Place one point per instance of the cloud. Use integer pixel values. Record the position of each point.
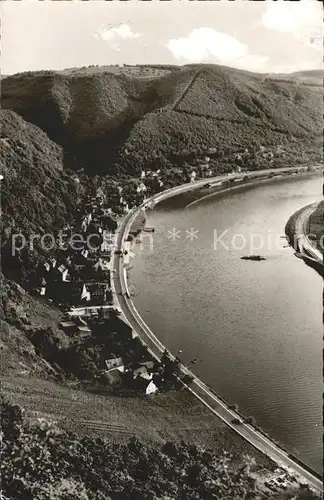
(113, 32)
(297, 18)
(202, 43)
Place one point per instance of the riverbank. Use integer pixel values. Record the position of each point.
(145, 333)
(237, 187)
(316, 226)
(303, 231)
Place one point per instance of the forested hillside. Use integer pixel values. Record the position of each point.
(110, 123)
(37, 197)
(41, 461)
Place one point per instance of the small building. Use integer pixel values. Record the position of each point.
(63, 270)
(142, 372)
(41, 288)
(53, 262)
(151, 388)
(69, 327)
(83, 331)
(47, 266)
(101, 265)
(113, 377)
(98, 293)
(150, 365)
(41, 291)
(114, 363)
(85, 294)
(85, 253)
(141, 188)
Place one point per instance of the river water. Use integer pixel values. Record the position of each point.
(254, 327)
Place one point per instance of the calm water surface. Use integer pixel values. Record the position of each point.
(255, 327)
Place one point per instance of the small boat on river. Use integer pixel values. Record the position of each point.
(253, 257)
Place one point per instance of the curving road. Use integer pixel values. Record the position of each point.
(197, 388)
(301, 230)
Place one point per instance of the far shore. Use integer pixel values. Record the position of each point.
(220, 191)
(298, 231)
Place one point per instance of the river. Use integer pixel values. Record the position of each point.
(254, 327)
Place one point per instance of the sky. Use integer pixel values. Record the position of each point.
(279, 37)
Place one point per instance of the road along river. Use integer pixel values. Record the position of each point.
(230, 313)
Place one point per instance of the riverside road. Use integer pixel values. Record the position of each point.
(197, 387)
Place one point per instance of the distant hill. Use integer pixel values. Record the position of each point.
(312, 73)
(108, 122)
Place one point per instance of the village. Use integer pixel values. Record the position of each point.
(104, 351)
(78, 277)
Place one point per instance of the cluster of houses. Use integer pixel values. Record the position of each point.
(277, 481)
(146, 376)
(80, 272)
(129, 364)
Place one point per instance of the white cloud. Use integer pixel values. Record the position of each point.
(112, 32)
(202, 43)
(297, 18)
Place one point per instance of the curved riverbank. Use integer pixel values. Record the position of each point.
(298, 238)
(246, 184)
(201, 390)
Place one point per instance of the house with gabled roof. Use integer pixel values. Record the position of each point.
(115, 363)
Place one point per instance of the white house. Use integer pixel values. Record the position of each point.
(143, 373)
(53, 263)
(84, 224)
(151, 388)
(41, 290)
(85, 294)
(141, 188)
(85, 253)
(47, 266)
(63, 271)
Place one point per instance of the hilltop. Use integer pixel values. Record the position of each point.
(119, 120)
